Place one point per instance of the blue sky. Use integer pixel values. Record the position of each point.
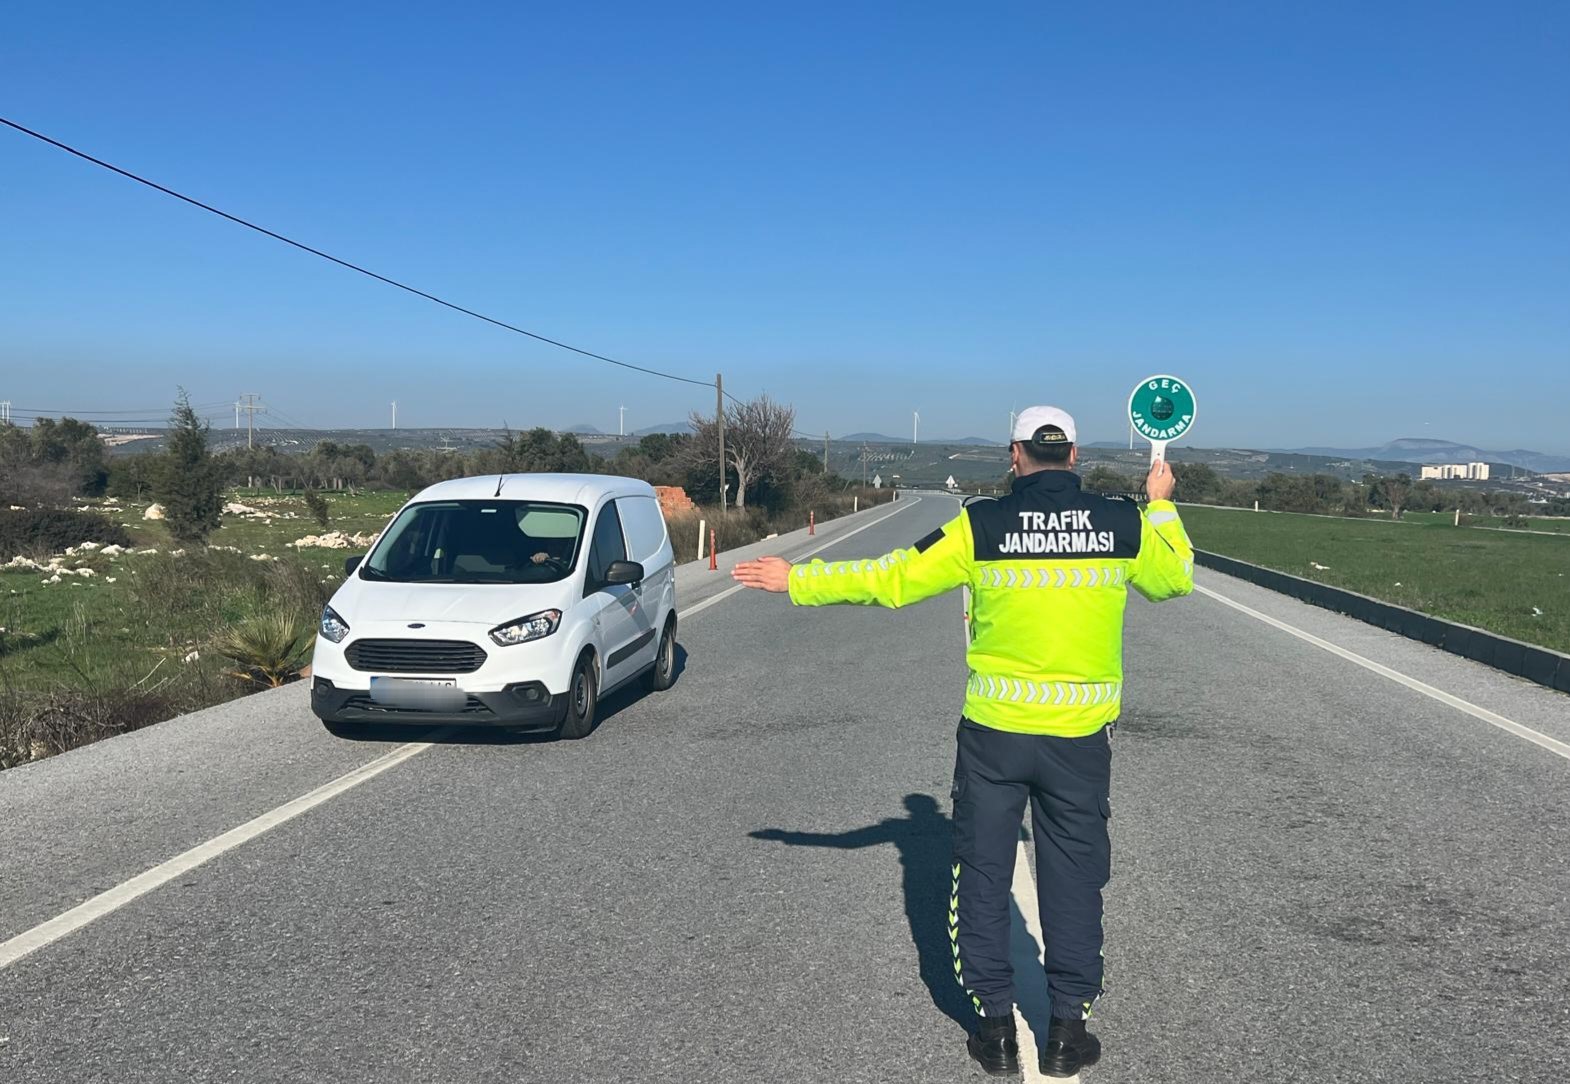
(1343, 223)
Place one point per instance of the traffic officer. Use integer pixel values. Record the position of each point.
(1049, 567)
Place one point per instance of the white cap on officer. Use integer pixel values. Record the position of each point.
(1030, 422)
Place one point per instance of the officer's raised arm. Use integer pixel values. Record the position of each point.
(1165, 566)
(939, 562)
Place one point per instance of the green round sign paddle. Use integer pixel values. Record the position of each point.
(1162, 409)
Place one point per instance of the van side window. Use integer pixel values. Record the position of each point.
(644, 525)
(607, 547)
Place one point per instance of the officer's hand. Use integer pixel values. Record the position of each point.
(765, 574)
(1159, 482)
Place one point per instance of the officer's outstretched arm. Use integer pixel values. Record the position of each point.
(938, 563)
(1165, 566)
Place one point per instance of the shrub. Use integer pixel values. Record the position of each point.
(37, 725)
(317, 505)
(267, 647)
(50, 530)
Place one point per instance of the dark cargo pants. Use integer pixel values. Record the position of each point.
(1067, 782)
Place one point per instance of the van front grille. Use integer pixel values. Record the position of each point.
(415, 656)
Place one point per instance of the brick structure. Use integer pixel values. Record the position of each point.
(673, 500)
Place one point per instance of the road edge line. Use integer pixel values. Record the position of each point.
(1553, 745)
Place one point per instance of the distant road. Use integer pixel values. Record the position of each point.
(1322, 872)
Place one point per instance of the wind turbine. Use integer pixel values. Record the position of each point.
(621, 423)
(915, 425)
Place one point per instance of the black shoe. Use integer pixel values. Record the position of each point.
(1069, 1048)
(994, 1045)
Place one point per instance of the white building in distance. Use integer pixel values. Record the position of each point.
(1471, 472)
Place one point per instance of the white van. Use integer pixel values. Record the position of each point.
(511, 601)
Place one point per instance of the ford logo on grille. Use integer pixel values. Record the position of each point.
(417, 625)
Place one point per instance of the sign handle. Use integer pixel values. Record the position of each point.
(1158, 450)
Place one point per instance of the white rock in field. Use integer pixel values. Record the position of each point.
(53, 579)
(110, 579)
(1536, 612)
(262, 557)
(235, 508)
(154, 511)
(17, 508)
(176, 553)
(149, 549)
(225, 549)
(112, 550)
(1316, 564)
(90, 546)
(86, 572)
(192, 657)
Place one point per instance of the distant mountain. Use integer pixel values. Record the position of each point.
(1426, 451)
(668, 427)
(584, 430)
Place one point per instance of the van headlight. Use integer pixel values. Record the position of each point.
(534, 627)
(333, 627)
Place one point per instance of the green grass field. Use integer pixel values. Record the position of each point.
(143, 613)
(1512, 583)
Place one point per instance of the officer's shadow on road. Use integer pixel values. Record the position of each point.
(924, 840)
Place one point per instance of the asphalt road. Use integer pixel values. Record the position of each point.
(1320, 874)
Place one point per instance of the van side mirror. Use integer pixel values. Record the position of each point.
(352, 563)
(624, 572)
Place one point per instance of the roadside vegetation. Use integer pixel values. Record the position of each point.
(1394, 496)
(1508, 582)
(138, 587)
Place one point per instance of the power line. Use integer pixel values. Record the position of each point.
(340, 262)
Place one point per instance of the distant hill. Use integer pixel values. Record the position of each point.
(668, 427)
(884, 438)
(583, 429)
(1425, 450)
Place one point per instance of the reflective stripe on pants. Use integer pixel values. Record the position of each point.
(1066, 781)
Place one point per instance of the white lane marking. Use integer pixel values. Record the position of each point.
(1028, 968)
(1553, 745)
(113, 899)
(729, 591)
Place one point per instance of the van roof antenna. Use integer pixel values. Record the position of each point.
(500, 478)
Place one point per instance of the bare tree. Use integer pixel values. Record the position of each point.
(758, 442)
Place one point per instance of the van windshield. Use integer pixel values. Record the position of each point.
(478, 542)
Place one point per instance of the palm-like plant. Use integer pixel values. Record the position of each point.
(268, 647)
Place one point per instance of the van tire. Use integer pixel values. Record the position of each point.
(662, 675)
(583, 695)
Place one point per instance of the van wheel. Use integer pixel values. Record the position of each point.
(663, 674)
(583, 696)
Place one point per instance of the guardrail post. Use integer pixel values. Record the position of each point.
(714, 563)
(703, 534)
(812, 523)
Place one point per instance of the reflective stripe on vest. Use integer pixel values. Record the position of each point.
(1052, 576)
(1050, 693)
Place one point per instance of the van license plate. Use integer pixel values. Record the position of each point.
(417, 694)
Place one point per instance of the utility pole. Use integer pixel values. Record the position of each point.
(251, 407)
(395, 413)
(825, 453)
(719, 420)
